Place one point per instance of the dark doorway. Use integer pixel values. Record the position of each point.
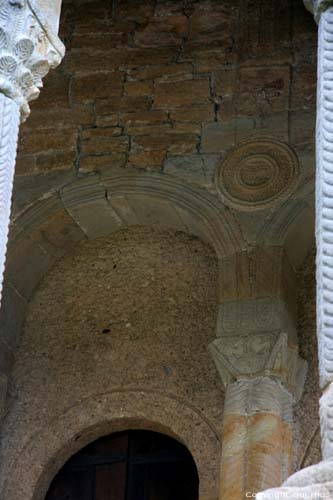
(133, 465)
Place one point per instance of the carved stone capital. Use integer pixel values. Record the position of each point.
(257, 355)
(317, 7)
(28, 49)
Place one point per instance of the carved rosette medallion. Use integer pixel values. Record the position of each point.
(28, 49)
(257, 173)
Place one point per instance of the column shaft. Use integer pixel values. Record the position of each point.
(256, 437)
(9, 128)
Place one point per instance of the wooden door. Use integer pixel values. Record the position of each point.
(134, 465)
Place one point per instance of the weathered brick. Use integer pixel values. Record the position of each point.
(147, 158)
(174, 143)
(165, 31)
(57, 160)
(127, 103)
(99, 40)
(263, 90)
(181, 93)
(97, 163)
(161, 71)
(103, 140)
(97, 85)
(144, 117)
(138, 88)
(149, 129)
(50, 139)
(201, 113)
(25, 164)
(101, 132)
(60, 117)
(55, 91)
(111, 120)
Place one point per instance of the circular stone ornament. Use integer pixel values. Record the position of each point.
(257, 173)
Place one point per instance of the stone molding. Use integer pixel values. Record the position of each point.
(28, 50)
(317, 7)
(257, 355)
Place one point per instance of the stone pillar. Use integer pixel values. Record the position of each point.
(317, 481)
(29, 47)
(263, 377)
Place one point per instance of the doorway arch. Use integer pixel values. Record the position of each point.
(128, 465)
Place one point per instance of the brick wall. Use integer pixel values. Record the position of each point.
(171, 85)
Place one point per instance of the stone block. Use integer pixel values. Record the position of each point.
(100, 84)
(245, 317)
(138, 88)
(192, 168)
(12, 314)
(162, 71)
(58, 233)
(51, 139)
(144, 117)
(57, 160)
(102, 163)
(124, 104)
(304, 88)
(181, 93)
(103, 140)
(163, 31)
(103, 40)
(26, 264)
(86, 201)
(152, 211)
(59, 117)
(263, 90)
(111, 120)
(174, 143)
(193, 113)
(217, 137)
(147, 158)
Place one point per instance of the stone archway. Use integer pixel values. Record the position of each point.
(30, 475)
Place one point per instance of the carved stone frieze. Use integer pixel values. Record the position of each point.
(262, 354)
(28, 49)
(254, 315)
(257, 173)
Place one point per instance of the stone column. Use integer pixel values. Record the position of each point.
(317, 481)
(263, 377)
(29, 47)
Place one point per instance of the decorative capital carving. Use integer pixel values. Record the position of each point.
(28, 49)
(317, 7)
(261, 354)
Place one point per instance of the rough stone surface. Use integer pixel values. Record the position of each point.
(132, 312)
